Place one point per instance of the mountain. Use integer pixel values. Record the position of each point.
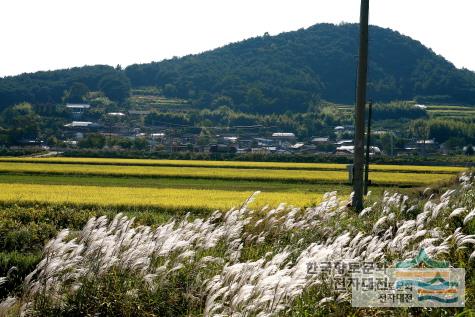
(287, 71)
(274, 74)
(49, 86)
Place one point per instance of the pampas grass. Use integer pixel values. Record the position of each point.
(242, 262)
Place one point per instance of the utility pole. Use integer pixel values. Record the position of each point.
(110, 133)
(358, 161)
(392, 143)
(368, 146)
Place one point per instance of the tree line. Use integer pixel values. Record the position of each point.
(53, 87)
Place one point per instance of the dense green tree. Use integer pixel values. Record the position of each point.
(442, 130)
(93, 141)
(222, 101)
(49, 86)
(22, 122)
(125, 143)
(397, 110)
(115, 86)
(469, 150)
(169, 90)
(139, 144)
(420, 129)
(453, 143)
(77, 92)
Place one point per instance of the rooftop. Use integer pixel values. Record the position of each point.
(351, 149)
(341, 142)
(320, 139)
(231, 138)
(297, 145)
(75, 124)
(283, 134)
(139, 112)
(426, 142)
(78, 106)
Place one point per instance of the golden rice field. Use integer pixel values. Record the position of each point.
(187, 185)
(231, 164)
(170, 198)
(309, 176)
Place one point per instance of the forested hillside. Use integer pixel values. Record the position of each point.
(270, 74)
(289, 71)
(49, 87)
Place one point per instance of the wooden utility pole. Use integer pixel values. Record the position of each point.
(358, 161)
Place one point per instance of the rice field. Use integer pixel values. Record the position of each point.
(178, 183)
(162, 198)
(453, 112)
(110, 262)
(188, 185)
(305, 176)
(230, 164)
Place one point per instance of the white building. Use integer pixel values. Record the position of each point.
(350, 149)
(79, 124)
(283, 135)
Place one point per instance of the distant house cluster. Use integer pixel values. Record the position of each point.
(249, 139)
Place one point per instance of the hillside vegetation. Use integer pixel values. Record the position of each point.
(268, 74)
(289, 71)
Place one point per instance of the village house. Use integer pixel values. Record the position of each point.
(81, 125)
(157, 138)
(284, 139)
(427, 146)
(344, 143)
(77, 110)
(320, 140)
(228, 139)
(116, 114)
(350, 149)
(263, 142)
(76, 129)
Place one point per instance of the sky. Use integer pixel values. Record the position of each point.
(53, 34)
